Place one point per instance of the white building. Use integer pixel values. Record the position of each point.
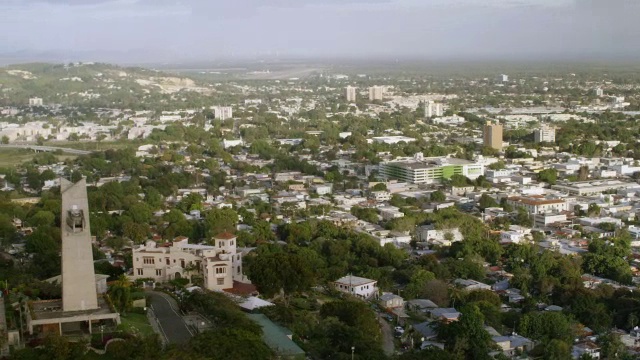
(35, 101)
(392, 139)
(433, 109)
(538, 204)
(599, 92)
(219, 264)
(376, 93)
(545, 134)
(448, 120)
(357, 286)
(223, 112)
(350, 93)
(421, 170)
(232, 143)
(503, 78)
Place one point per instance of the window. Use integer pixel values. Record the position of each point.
(148, 260)
(182, 263)
(168, 261)
(231, 243)
(221, 270)
(219, 243)
(158, 272)
(238, 269)
(139, 271)
(221, 281)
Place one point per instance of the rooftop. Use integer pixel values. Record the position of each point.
(354, 280)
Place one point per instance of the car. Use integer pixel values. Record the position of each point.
(388, 317)
(399, 329)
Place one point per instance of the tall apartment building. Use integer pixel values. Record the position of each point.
(503, 78)
(545, 134)
(421, 170)
(351, 93)
(493, 135)
(376, 93)
(599, 92)
(222, 112)
(433, 109)
(219, 264)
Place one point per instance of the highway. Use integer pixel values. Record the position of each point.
(45, 149)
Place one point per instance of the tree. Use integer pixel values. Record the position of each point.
(120, 294)
(487, 201)
(418, 283)
(557, 350)
(379, 187)
(136, 232)
(467, 337)
(218, 221)
(549, 176)
(438, 196)
(279, 271)
(5, 139)
(228, 344)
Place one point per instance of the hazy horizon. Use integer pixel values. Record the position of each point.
(157, 31)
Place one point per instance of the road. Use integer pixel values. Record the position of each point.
(45, 148)
(172, 325)
(387, 337)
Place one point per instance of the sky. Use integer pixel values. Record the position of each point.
(195, 30)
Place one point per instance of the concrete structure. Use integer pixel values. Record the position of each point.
(599, 92)
(219, 264)
(80, 305)
(350, 93)
(222, 112)
(545, 134)
(376, 93)
(421, 170)
(594, 187)
(78, 276)
(536, 204)
(433, 109)
(357, 286)
(503, 78)
(492, 135)
(392, 139)
(35, 101)
(391, 301)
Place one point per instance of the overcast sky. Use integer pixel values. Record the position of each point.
(217, 29)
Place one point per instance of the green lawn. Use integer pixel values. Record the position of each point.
(13, 157)
(136, 323)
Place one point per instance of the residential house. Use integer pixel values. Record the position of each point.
(357, 286)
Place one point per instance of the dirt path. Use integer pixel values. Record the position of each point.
(387, 337)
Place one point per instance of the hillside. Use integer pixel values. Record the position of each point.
(92, 84)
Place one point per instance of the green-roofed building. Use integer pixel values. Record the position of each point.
(278, 338)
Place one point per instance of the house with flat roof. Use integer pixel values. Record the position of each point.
(357, 286)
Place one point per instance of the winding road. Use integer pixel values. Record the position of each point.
(167, 313)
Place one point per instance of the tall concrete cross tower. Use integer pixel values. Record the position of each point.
(78, 277)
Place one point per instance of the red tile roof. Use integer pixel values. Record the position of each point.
(225, 236)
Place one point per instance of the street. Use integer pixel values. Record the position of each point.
(172, 325)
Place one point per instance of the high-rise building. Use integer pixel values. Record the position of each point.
(599, 92)
(78, 276)
(376, 93)
(433, 109)
(351, 93)
(223, 112)
(493, 135)
(503, 78)
(545, 134)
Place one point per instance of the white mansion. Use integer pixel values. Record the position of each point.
(219, 264)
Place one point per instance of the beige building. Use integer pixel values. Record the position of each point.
(433, 109)
(81, 308)
(493, 135)
(538, 204)
(219, 264)
(351, 93)
(376, 93)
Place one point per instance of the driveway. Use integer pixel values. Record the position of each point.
(387, 337)
(167, 313)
